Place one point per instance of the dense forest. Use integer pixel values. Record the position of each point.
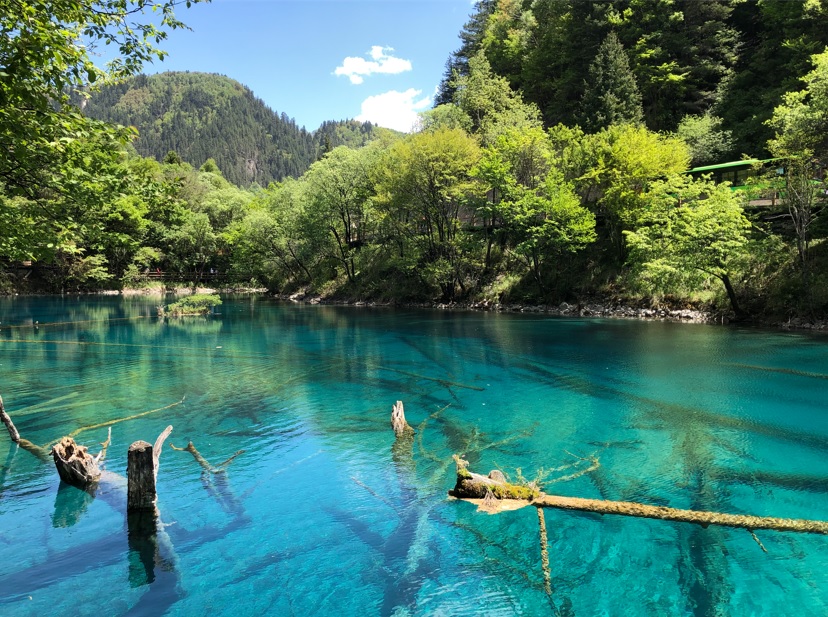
(552, 169)
(200, 116)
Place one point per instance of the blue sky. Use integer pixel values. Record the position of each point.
(315, 60)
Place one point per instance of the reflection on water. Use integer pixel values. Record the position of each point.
(324, 514)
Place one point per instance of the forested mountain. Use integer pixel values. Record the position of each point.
(201, 116)
(727, 58)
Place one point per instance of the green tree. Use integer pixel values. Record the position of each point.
(425, 187)
(611, 95)
(46, 57)
(490, 103)
(278, 240)
(340, 188)
(689, 229)
(470, 38)
(800, 125)
(531, 202)
(617, 166)
(707, 141)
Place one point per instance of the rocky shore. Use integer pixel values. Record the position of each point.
(592, 308)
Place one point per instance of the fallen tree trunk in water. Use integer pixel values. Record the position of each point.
(699, 517)
(475, 487)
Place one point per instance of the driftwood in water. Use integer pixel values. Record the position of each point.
(41, 453)
(142, 472)
(402, 451)
(205, 465)
(473, 487)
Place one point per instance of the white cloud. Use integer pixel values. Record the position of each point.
(395, 110)
(356, 69)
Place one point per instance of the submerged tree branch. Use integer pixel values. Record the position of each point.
(205, 465)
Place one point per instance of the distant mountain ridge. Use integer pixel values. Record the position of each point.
(204, 115)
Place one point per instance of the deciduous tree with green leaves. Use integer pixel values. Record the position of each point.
(46, 67)
(800, 124)
(690, 229)
(426, 184)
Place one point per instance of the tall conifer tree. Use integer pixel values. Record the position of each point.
(611, 95)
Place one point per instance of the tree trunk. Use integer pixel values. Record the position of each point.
(4, 417)
(142, 472)
(141, 495)
(731, 294)
(475, 487)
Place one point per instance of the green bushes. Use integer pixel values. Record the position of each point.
(197, 304)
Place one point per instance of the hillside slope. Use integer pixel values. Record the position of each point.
(201, 116)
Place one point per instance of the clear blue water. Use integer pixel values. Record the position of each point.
(319, 517)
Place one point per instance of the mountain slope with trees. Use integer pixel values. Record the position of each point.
(728, 59)
(201, 116)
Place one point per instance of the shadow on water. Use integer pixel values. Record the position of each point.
(71, 504)
(152, 562)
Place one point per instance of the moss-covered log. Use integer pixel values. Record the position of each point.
(473, 487)
(476, 486)
(699, 517)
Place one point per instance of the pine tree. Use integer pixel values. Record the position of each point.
(470, 38)
(611, 95)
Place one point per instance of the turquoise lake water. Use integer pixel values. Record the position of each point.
(318, 516)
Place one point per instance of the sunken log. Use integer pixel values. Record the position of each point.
(401, 428)
(142, 473)
(74, 464)
(474, 487)
(203, 462)
(39, 452)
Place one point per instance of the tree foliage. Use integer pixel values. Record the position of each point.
(691, 227)
(611, 95)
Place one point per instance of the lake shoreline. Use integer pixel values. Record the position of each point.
(593, 307)
(590, 308)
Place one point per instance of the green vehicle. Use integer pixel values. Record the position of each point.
(747, 176)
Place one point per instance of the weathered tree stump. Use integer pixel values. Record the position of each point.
(74, 464)
(141, 493)
(398, 422)
(142, 472)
